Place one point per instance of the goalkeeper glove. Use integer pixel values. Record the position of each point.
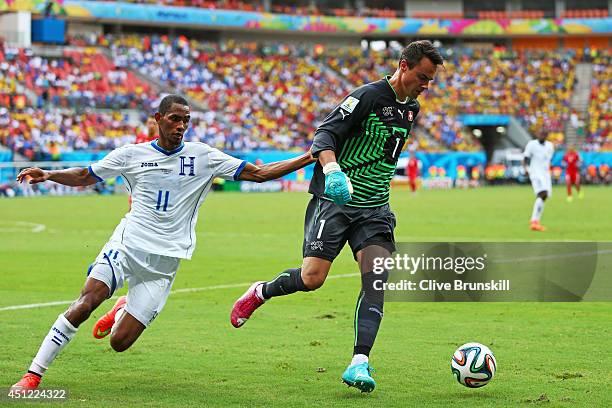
(337, 185)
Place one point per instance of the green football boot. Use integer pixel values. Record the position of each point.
(358, 376)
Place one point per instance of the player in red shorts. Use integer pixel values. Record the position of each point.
(412, 171)
(571, 159)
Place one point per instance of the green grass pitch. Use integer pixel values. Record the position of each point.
(294, 350)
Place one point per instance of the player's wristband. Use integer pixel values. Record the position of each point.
(331, 167)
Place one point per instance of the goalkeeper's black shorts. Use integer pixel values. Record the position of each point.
(327, 227)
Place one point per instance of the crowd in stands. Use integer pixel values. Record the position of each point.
(47, 102)
(276, 95)
(12, 84)
(75, 79)
(534, 86)
(44, 134)
(598, 135)
(260, 96)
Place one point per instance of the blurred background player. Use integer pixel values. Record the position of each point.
(357, 146)
(604, 174)
(412, 171)
(571, 160)
(152, 132)
(537, 156)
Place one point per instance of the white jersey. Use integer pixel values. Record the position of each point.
(167, 188)
(540, 156)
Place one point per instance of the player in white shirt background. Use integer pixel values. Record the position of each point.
(537, 156)
(168, 181)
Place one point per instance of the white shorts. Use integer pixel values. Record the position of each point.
(149, 278)
(541, 183)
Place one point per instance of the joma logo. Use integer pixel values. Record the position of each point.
(149, 165)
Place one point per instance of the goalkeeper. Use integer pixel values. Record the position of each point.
(357, 147)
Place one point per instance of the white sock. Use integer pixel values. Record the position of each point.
(59, 336)
(118, 316)
(259, 291)
(359, 358)
(538, 208)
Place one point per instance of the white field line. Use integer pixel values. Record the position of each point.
(23, 226)
(174, 292)
(346, 275)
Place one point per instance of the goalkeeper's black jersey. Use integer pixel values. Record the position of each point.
(367, 131)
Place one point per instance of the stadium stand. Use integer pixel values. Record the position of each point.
(588, 13)
(274, 93)
(46, 134)
(272, 96)
(598, 136)
(521, 83)
(77, 79)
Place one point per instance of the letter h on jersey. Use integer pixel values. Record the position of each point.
(191, 166)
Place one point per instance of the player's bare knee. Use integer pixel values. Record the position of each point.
(314, 281)
(119, 345)
(314, 272)
(99, 291)
(314, 277)
(119, 342)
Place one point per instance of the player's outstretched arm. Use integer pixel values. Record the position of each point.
(275, 170)
(73, 177)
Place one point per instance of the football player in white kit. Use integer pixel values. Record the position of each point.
(168, 180)
(537, 157)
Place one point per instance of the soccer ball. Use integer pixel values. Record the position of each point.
(473, 365)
